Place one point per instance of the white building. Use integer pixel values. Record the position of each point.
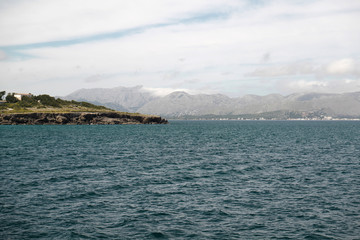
(20, 95)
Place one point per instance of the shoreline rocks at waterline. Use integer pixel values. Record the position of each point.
(78, 118)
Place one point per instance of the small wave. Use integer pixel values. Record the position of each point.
(157, 235)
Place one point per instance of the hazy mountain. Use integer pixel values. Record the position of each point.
(181, 103)
(178, 104)
(119, 98)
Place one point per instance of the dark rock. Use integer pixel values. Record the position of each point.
(61, 119)
(108, 118)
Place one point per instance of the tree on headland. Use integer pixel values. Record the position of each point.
(2, 94)
(33, 103)
(47, 100)
(10, 98)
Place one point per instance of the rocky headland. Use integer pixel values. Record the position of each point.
(78, 118)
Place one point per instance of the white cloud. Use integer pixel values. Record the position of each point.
(347, 81)
(300, 68)
(2, 55)
(94, 78)
(307, 85)
(343, 66)
(165, 91)
(41, 20)
(277, 39)
(331, 86)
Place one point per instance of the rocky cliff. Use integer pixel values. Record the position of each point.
(78, 118)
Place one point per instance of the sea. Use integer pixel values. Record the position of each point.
(183, 180)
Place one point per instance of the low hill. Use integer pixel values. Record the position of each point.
(46, 103)
(44, 109)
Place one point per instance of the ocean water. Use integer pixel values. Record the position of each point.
(184, 180)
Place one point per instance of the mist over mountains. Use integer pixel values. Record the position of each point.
(181, 104)
(119, 98)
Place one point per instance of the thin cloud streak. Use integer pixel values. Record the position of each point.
(43, 21)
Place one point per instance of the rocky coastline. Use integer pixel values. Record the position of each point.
(78, 118)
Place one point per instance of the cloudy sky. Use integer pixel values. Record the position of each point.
(235, 47)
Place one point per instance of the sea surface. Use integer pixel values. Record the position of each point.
(184, 180)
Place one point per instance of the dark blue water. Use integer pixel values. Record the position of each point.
(185, 180)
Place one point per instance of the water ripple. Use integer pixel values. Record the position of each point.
(185, 180)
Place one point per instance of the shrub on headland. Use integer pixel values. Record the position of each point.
(27, 101)
(47, 102)
(2, 94)
(10, 98)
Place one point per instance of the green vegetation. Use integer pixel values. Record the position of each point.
(11, 99)
(2, 94)
(45, 103)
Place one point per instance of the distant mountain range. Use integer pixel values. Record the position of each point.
(184, 105)
(119, 98)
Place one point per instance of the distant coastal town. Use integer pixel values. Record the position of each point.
(275, 119)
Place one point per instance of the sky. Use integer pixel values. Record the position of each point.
(233, 47)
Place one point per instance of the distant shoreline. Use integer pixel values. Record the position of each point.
(244, 120)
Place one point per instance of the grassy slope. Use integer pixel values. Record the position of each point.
(48, 104)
